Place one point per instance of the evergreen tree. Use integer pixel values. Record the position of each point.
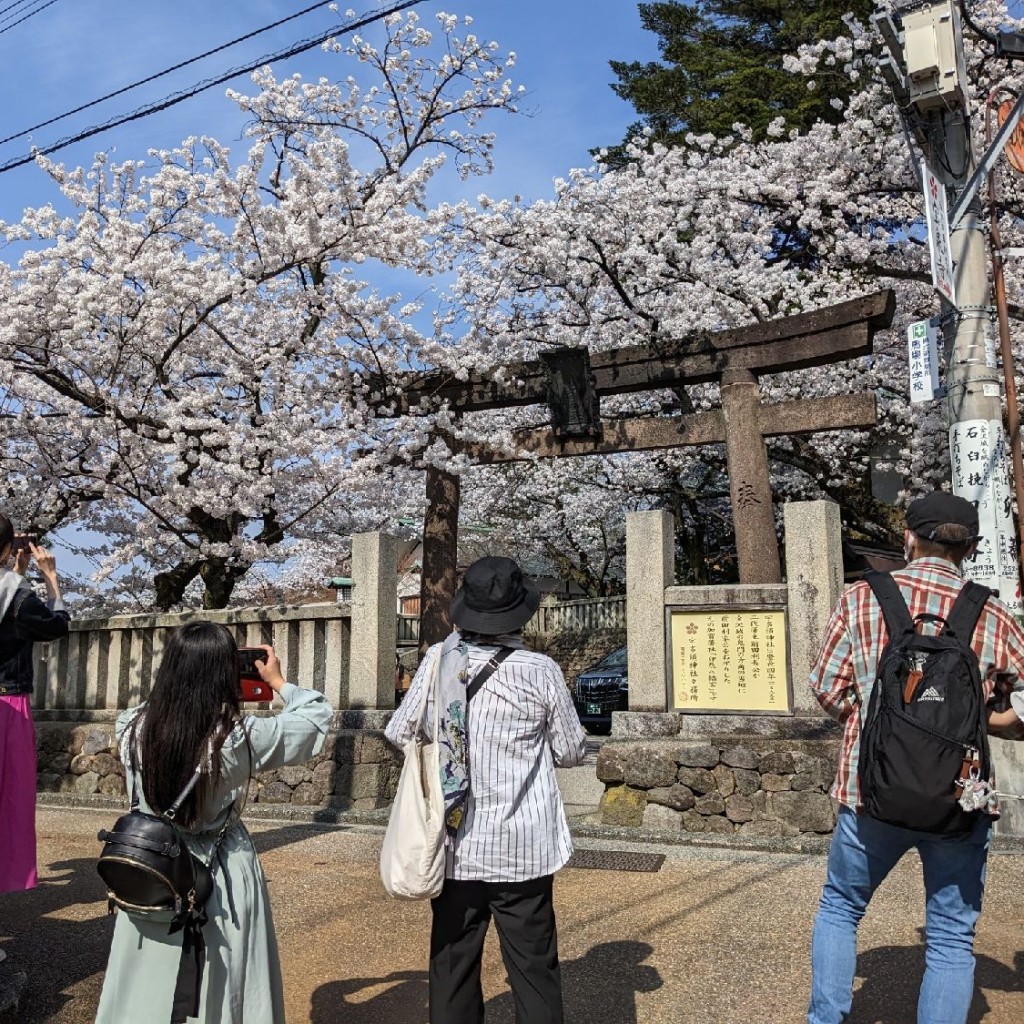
(721, 62)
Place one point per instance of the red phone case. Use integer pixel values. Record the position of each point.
(256, 689)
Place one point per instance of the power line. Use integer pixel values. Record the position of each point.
(180, 97)
(35, 11)
(166, 71)
(11, 7)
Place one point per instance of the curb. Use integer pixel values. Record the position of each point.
(806, 843)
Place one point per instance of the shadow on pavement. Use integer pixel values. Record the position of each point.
(608, 976)
(54, 951)
(892, 979)
(402, 1001)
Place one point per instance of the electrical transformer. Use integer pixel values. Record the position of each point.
(933, 49)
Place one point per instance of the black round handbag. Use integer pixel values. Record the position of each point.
(147, 867)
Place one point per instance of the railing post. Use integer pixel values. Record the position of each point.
(814, 577)
(374, 621)
(650, 561)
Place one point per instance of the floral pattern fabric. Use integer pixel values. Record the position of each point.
(453, 678)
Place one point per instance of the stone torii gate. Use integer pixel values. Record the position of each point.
(735, 358)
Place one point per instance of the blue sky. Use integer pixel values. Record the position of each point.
(74, 51)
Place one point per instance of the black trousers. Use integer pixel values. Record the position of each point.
(525, 918)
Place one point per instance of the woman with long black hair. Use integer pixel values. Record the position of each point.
(193, 718)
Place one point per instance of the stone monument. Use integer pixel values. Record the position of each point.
(723, 733)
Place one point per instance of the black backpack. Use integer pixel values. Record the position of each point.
(925, 728)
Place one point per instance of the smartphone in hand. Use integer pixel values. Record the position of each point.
(253, 687)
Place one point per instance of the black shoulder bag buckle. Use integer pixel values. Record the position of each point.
(148, 868)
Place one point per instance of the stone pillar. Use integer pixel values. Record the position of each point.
(650, 562)
(814, 578)
(757, 548)
(374, 621)
(1008, 758)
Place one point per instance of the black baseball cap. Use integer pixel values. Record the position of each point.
(925, 515)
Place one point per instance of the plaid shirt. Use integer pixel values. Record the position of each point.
(844, 674)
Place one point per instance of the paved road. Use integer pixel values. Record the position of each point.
(714, 937)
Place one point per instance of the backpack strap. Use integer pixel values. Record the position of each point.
(486, 672)
(894, 606)
(966, 610)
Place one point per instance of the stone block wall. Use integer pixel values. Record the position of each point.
(730, 786)
(356, 770)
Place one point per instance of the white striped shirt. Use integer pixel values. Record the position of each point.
(522, 723)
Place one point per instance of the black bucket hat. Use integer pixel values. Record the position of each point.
(494, 598)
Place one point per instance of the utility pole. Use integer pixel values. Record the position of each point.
(928, 75)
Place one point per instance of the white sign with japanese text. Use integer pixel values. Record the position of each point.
(978, 455)
(923, 361)
(938, 234)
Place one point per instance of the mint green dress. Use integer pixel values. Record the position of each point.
(242, 980)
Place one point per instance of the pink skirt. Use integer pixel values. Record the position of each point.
(17, 794)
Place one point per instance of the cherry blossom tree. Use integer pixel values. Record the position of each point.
(197, 363)
(723, 232)
(178, 349)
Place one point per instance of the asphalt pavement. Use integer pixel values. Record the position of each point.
(712, 937)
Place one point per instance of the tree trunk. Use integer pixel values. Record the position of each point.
(219, 578)
(440, 556)
(171, 585)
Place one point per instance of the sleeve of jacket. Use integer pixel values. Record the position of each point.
(37, 621)
(565, 734)
(409, 714)
(832, 678)
(293, 735)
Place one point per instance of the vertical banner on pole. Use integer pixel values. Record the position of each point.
(938, 234)
(978, 455)
(923, 361)
(1009, 570)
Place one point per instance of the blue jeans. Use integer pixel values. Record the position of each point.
(863, 852)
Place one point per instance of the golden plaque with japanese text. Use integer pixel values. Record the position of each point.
(728, 660)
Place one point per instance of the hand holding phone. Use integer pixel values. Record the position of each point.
(24, 542)
(260, 672)
(1003, 686)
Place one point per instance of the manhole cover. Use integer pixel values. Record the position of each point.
(616, 860)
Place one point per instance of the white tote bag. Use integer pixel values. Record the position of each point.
(412, 857)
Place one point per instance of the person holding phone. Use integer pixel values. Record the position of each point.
(24, 619)
(193, 718)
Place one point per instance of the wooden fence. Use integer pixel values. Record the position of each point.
(108, 664)
(551, 617)
(582, 615)
(105, 664)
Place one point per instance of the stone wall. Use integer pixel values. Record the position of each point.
(725, 786)
(357, 769)
(575, 651)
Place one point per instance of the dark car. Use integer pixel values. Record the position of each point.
(600, 690)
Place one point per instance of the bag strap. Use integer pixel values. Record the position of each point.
(894, 606)
(966, 610)
(10, 618)
(434, 691)
(486, 672)
(17, 601)
(193, 781)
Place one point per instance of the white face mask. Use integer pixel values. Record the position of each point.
(907, 553)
